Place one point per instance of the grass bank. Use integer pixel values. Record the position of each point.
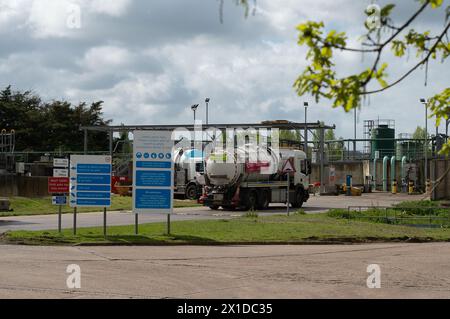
(43, 206)
(414, 213)
(296, 229)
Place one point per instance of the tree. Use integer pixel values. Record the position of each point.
(419, 133)
(50, 126)
(321, 80)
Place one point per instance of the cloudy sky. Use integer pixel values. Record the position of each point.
(150, 60)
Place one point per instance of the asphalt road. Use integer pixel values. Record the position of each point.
(407, 271)
(316, 204)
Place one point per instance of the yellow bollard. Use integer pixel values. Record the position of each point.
(394, 187)
(411, 188)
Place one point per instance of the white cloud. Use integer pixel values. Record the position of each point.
(248, 75)
(10, 12)
(110, 7)
(105, 58)
(48, 18)
(137, 99)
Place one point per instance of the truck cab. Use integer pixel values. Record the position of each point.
(189, 171)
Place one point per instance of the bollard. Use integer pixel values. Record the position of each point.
(404, 186)
(428, 186)
(349, 182)
(394, 187)
(411, 188)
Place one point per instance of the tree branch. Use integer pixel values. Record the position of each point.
(415, 67)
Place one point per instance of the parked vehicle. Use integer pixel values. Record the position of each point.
(189, 172)
(233, 181)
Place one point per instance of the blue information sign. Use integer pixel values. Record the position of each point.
(90, 181)
(59, 200)
(153, 172)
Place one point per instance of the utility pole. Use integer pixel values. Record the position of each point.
(306, 104)
(194, 109)
(354, 142)
(447, 122)
(425, 102)
(207, 112)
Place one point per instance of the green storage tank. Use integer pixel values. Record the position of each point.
(411, 149)
(384, 147)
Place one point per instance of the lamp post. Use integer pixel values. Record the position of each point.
(447, 122)
(194, 109)
(207, 100)
(425, 102)
(355, 125)
(306, 104)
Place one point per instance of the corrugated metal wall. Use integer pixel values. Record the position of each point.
(23, 186)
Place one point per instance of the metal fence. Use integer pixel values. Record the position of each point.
(430, 216)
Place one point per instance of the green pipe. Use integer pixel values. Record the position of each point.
(404, 160)
(375, 173)
(385, 179)
(393, 177)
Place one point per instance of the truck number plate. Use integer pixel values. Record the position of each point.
(218, 197)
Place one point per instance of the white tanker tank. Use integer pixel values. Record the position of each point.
(253, 177)
(225, 168)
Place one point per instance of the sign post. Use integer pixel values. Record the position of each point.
(59, 219)
(90, 184)
(153, 173)
(288, 168)
(58, 186)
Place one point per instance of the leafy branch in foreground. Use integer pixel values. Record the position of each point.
(320, 78)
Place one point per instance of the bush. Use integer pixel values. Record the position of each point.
(422, 208)
(251, 214)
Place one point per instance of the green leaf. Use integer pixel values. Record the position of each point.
(386, 11)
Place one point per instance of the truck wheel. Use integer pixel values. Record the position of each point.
(191, 192)
(298, 202)
(252, 200)
(263, 200)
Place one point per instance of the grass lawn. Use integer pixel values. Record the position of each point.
(43, 206)
(406, 213)
(261, 230)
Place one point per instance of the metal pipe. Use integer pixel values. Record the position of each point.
(354, 142)
(393, 169)
(322, 159)
(426, 142)
(306, 127)
(404, 160)
(375, 173)
(385, 180)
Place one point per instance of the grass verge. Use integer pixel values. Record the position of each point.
(296, 229)
(415, 213)
(43, 206)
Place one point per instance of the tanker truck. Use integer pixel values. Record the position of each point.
(188, 173)
(235, 181)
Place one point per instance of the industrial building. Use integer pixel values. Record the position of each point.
(383, 157)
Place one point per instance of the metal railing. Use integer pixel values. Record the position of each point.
(396, 215)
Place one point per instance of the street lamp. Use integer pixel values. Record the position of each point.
(194, 108)
(447, 122)
(207, 100)
(306, 104)
(425, 102)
